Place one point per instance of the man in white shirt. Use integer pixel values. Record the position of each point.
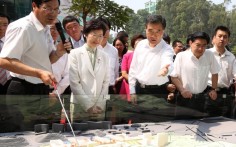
(28, 53)
(191, 78)
(73, 29)
(60, 68)
(28, 50)
(177, 46)
(227, 72)
(113, 56)
(151, 61)
(4, 74)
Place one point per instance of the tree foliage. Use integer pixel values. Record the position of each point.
(117, 15)
(136, 23)
(184, 17)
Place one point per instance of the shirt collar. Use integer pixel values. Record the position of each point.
(101, 47)
(91, 50)
(189, 51)
(158, 46)
(226, 53)
(36, 22)
(2, 39)
(81, 39)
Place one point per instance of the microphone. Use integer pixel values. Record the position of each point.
(62, 35)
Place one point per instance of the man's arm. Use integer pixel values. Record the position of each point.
(214, 80)
(16, 66)
(184, 92)
(133, 72)
(60, 51)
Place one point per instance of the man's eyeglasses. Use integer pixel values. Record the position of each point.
(153, 32)
(50, 10)
(200, 45)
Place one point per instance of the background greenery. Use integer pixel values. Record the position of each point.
(183, 16)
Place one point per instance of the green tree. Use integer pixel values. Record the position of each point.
(232, 24)
(118, 15)
(136, 25)
(184, 16)
(217, 16)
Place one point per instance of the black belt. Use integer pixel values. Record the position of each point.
(199, 96)
(24, 81)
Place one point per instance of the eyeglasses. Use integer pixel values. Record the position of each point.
(94, 36)
(200, 45)
(153, 32)
(50, 10)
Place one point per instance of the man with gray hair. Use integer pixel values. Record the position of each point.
(151, 62)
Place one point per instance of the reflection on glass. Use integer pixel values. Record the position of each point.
(19, 113)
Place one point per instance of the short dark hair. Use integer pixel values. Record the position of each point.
(39, 2)
(153, 19)
(136, 37)
(222, 28)
(69, 19)
(200, 35)
(174, 43)
(123, 42)
(6, 16)
(188, 38)
(94, 24)
(105, 20)
(122, 34)
(166, 37)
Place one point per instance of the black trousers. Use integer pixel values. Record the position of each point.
(111, 90)
(202, 103)
(3, 88)
(26, 104)
(226, 102)
(22, 87)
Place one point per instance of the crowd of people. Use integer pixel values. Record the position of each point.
(33, 59)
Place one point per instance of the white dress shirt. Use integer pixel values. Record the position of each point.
(227, 68)
(112, 53)
(2, 40)
(77, 44)
(1, 46)
(61, 72)
(147, 62)
(30, 42)
(193, 72)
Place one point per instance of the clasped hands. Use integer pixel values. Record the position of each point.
(94, 111)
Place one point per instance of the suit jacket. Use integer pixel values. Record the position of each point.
(89, 86)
